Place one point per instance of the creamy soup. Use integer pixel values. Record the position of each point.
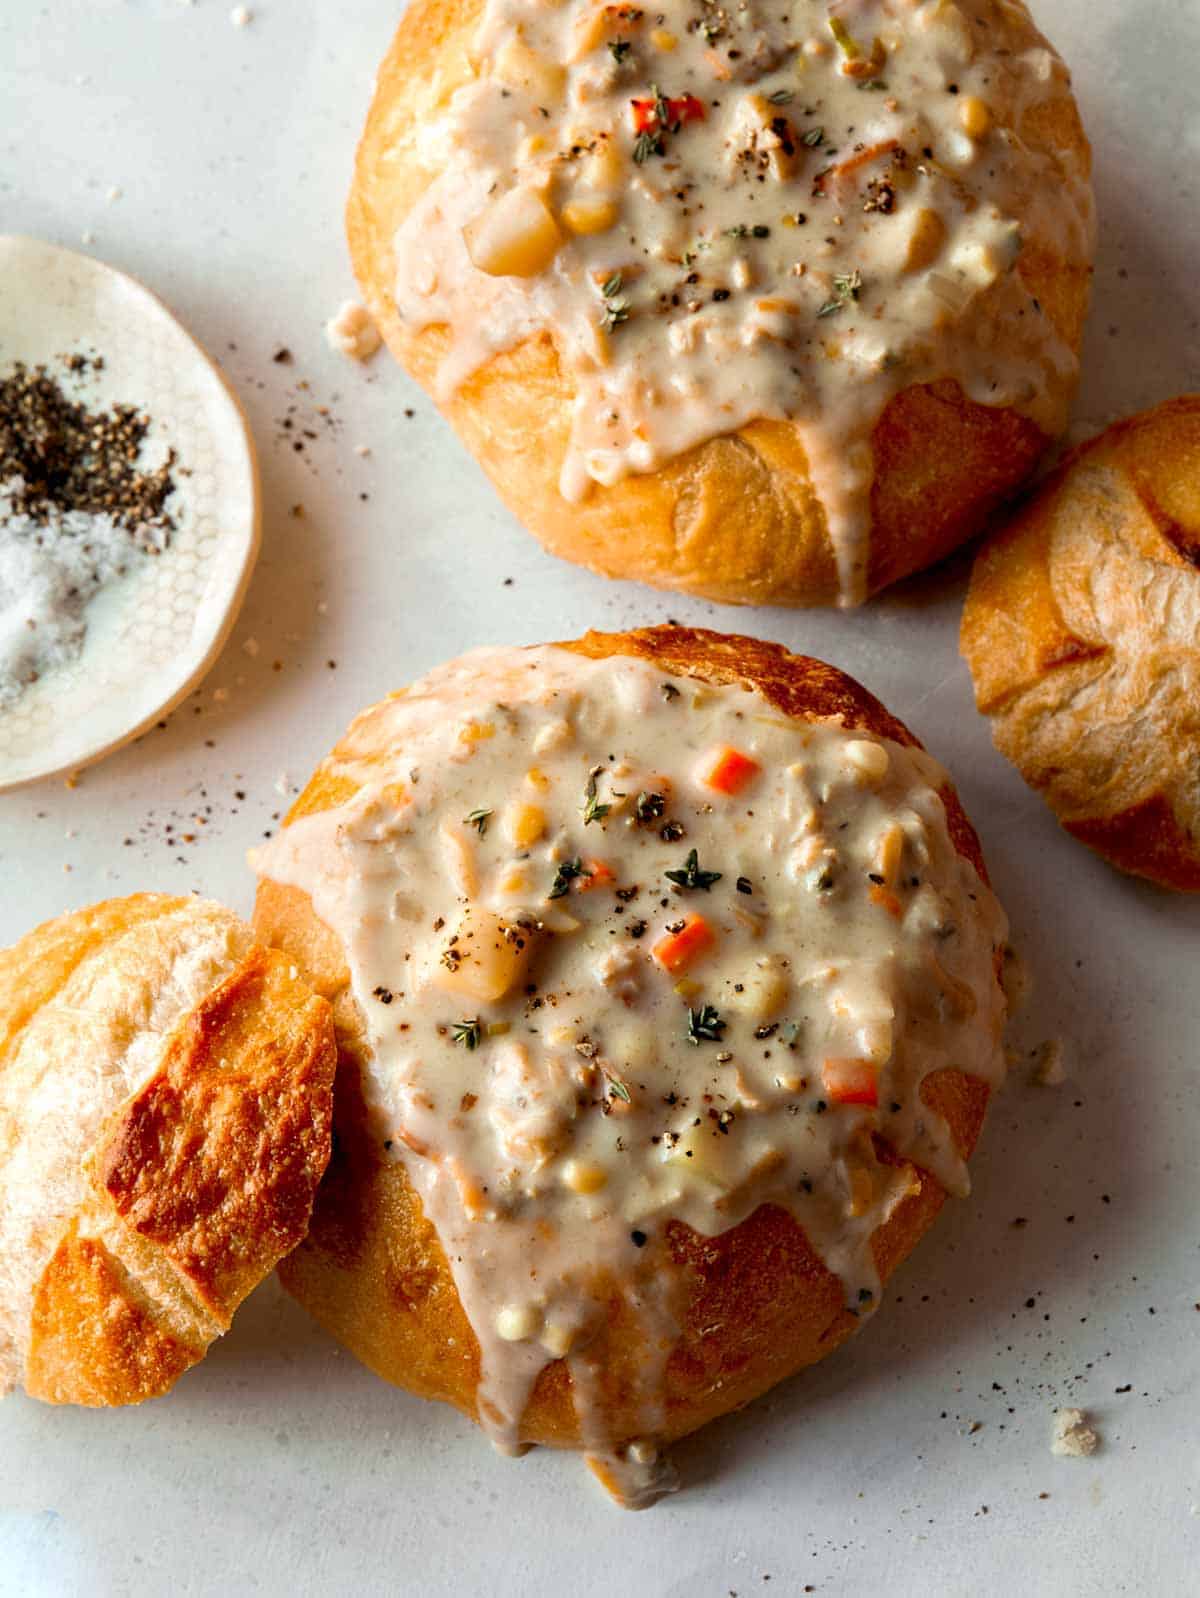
(632, 949)
(753, 210)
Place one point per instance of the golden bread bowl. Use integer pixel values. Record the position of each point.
(665, 975)
(768, 306)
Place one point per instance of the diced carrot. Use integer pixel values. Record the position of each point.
(675, 951)
(851, 1081)
(846, 169)
(886, 900)
(728, 770)
(595, 875)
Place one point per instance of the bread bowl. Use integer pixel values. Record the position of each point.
(765, 305)
(1082, 632)
(666, 982)
(165, 1108)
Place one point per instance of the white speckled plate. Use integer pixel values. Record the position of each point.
(153, 634)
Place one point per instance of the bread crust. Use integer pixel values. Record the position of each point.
(1082, 632)
(372, 1270)
(735, 519)
(198, 1179)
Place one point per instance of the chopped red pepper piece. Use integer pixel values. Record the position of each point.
(851, 1081)
(686, 108)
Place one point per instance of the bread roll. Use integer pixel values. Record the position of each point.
(165, 1109)
(773, 308)
(1082, 632)
(664, 971)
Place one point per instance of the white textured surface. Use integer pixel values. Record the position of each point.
(280, 1466)
(150, 634)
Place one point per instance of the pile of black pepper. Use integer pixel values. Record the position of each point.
(56, 456)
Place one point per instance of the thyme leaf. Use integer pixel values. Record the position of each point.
(592, 809)
(478, 819)
(691, 875)
(565, 875)
(467, 1033)
(847, 287)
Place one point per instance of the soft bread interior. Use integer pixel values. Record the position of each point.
(99, 1034)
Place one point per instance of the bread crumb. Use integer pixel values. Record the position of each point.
(1074, 1437)
(251, 647)
(352, 332)
(241, 16)
(1048, 1069)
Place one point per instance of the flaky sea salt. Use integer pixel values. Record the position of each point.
(50, 570)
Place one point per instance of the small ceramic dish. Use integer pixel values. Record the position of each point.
(152, 633)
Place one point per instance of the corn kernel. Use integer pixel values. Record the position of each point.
(516, 1322)
(537, 779)
(524, 824)
(514, 881)
(582, 1177)
(862, 1191)
(975, 117)
(558, 1339)
(869, 761)
(661, 39)
(925, 241)
(473, 732)
(588, 215)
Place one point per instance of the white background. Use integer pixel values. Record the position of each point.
(281, 1466)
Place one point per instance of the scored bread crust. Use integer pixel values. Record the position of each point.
(762, 1304)
(121, 1266)
(736, 518)
(1082, 632)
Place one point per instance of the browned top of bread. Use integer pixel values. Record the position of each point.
(165, 1088)
(736, 518)
(372, 1269)
(1082, 632)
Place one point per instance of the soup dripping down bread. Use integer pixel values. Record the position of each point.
(665, 973)
(770, 303)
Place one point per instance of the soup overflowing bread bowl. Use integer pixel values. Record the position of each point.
(165, 1108)
(665, 974)
(1082, 631)
(769, 304)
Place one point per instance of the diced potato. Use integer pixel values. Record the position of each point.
(515, 237)
(589, 215)
(485, 958)
(705, 1153)
(522, 68)
(926, 240)
(766, 989)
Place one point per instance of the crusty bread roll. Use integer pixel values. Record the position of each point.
(752, 1298)
(799, 349)
(165, 1108)
(1082, 632)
